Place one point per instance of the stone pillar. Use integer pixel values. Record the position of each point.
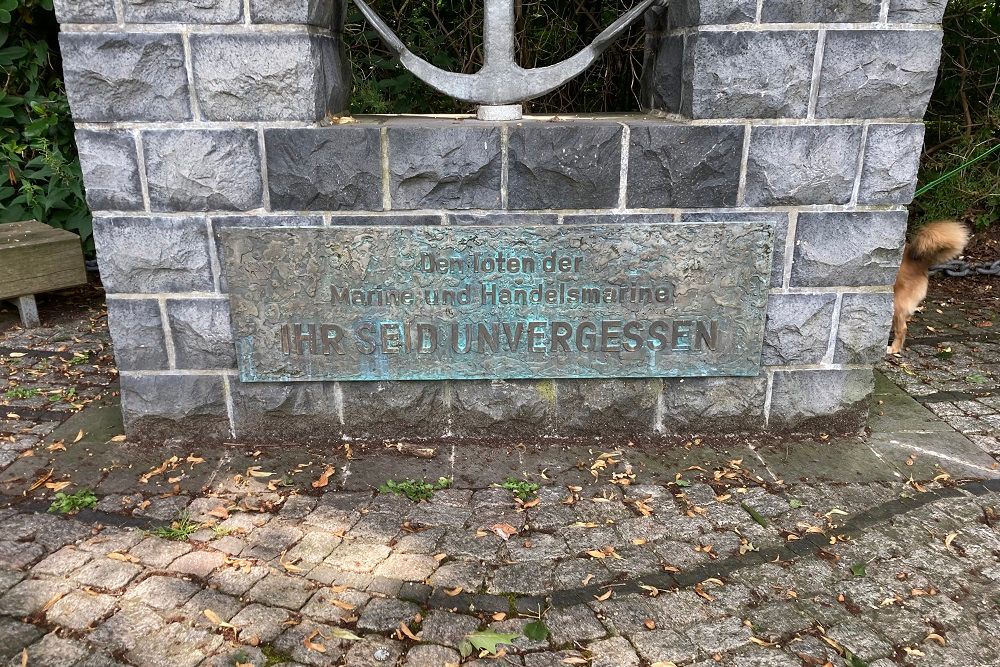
(170, 98)
(832, 94)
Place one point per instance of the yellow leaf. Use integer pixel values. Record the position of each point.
(949, 539)
(664, 663)
(440, 557)
(604, 596)
(194, 460)
(343, 605)
(118, 438)
(57, 486)
(79, 436)
(24, 657)
(16, 355)
(935, 637)
(216, 620)
(453, 592)
(255, 471)
(125, 558)
(57, 446)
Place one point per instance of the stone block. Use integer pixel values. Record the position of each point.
(661, 81)
(502, 218)
(820, 11)
(564, 165)
(518, 407)
(830, 401)
(386, 409)
(85, 11)
(203, 170)
(293, 412)
(892, 157)
(878, 74)
(848, 248)
(445, 166)
(154, 254)
(797, 329)
(183, 11)
(748, 74)
(606, 406)
(323, 13)
(686, 13)
(116, 76)
(916, 11)
(110, 170)
(333, 168)
(864, 328)
(156, 407)
(137, 331)
(203, 338)
(802, 165)
(682, 165)
(780, 233)
(713, 404)
(269, 76)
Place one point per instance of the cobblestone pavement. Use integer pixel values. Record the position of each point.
(952, 361)
(49, 373)
(881, 550)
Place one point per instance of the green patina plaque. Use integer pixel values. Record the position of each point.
(475, 302)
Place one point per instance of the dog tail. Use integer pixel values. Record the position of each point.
(938, 241)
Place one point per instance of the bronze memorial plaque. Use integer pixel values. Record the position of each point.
(475, 302)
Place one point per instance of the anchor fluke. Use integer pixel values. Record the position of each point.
(501, 81)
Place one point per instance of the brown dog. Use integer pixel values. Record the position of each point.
(933, 243)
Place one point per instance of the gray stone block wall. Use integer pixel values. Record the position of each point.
(193, 117)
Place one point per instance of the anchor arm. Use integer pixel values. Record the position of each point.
(501, 81)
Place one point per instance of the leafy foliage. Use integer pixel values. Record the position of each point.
(963, 119)
(42, 178)
(520, 488)
(22, 393)
(415, 490)
(70, 503)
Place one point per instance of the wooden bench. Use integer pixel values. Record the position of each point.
(36, 258)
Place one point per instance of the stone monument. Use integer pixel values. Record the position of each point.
(720, 263)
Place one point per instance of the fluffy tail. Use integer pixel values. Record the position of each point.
(938, 242)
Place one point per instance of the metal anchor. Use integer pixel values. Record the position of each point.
(501, 82)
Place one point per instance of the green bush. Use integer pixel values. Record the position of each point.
(963, 119)
(41, 179)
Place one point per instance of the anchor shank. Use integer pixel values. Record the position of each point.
(498, 34)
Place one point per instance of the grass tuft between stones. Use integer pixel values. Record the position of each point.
(180, 529)
(524, 490)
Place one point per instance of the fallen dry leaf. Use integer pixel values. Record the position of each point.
(404, 630)
(118, 438)
(57, 446)
(79, 436)
(57, 486)
(503, 530)
(343, 605)
(700, 591)
(125, 558)
(949, 539)
(255, 471)
(604, 596)
(324, 478)
(216, 620)
(308, 642)
(453, 592)
(41, 480)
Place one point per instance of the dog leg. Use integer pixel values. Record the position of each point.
(899, 329)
